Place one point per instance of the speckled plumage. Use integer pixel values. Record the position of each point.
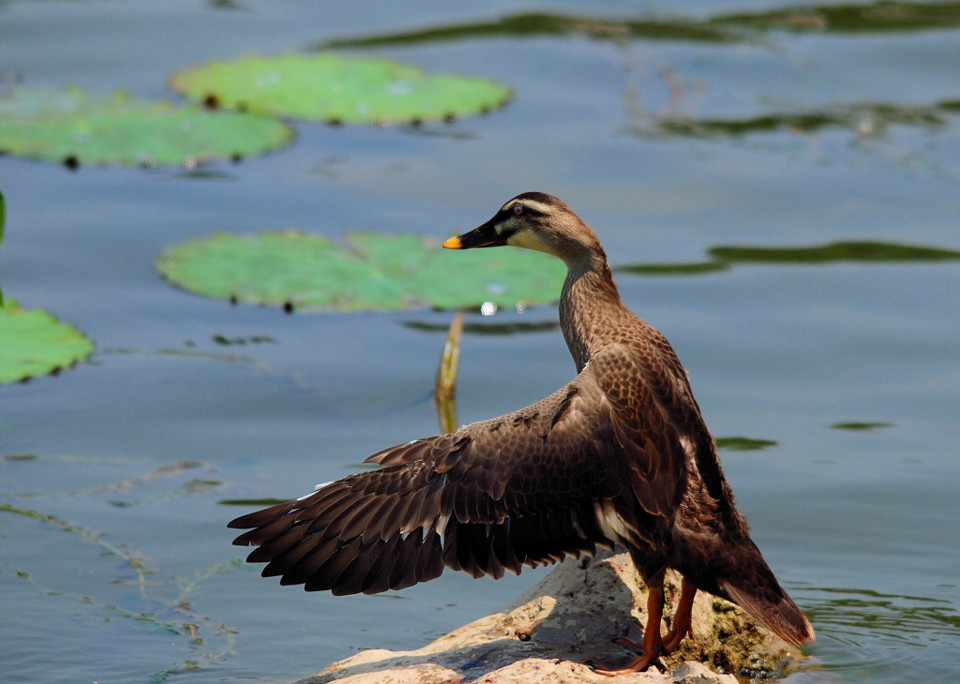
(620, 456)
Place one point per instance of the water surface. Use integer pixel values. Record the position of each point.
(748, 127)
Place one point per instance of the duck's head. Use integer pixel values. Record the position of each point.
(534, 220)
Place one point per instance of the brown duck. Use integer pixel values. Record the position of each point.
(620, 456)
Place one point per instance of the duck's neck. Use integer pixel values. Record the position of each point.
(590, 306)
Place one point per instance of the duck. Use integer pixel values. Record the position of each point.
(619, 457)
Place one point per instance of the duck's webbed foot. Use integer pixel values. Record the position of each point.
(653, 645)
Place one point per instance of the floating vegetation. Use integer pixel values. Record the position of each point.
(188, 488)
(20, 457)
(534, 24)
(695, 268)
(171, 613)
(180, 620)
(3, 220)
(130, 483)
(880, 17)
(252, 339)
(723, 257)
(860, 252)
(744, 443)
(69, 127)
(132, 559)
(854, 425)
(197, 486)
(338, 90)
(367, 272)
(866, 119)
(877, 17)
(35, 343)
(489, 328)
(252, 503)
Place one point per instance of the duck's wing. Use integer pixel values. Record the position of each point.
(669, 388)
(521, 489)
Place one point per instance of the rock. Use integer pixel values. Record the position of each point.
(571, 618)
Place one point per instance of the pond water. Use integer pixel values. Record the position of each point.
(671, 135)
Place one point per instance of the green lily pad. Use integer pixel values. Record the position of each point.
(335, 89)
(3, 220)
(35, 343)
(368, 272)
(70, 127)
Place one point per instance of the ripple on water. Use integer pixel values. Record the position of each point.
(866, 635)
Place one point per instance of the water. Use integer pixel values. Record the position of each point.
(116, 565)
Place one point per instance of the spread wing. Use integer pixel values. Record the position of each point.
(521, 489)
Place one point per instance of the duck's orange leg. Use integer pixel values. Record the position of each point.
(681, 618)
(652, 644)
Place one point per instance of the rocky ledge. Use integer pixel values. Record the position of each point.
(571, 618)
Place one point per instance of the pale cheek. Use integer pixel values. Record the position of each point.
(528, 240)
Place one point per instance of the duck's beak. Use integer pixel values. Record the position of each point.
(482, 236)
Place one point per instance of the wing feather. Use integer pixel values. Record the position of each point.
(494, 496)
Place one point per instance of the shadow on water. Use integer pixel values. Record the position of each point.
(723, 257)
(881, 17)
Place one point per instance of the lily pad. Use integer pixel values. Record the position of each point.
(335, 89)
(35, 343)
(3, 220)
(70, 127)
(367, 272)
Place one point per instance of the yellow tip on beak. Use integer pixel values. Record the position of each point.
(453, 243)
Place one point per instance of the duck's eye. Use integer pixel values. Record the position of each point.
(517, 209)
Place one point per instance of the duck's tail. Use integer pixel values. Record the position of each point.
(750, 583)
